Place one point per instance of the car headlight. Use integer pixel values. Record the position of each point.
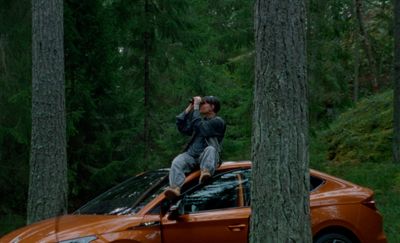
(86, 239)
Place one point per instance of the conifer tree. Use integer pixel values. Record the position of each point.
(280, 189)
(48, 188)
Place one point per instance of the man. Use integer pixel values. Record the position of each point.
(200, 121)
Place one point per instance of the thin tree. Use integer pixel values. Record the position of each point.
(47, 195)
(396, 75)
(367, 44)
(280, 174)
(146, 85)
(357, 59)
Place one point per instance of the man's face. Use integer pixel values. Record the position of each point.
(206, 108)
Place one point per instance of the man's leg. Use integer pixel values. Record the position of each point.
(182, 164)
(208, 163)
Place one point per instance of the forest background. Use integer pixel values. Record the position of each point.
(121, 112)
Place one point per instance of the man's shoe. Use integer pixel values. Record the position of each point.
(205, 175)
(172, 193)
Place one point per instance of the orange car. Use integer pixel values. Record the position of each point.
(137, 211)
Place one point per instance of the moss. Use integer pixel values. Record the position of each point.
(362, 133)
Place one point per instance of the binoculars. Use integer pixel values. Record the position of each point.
(191, 100)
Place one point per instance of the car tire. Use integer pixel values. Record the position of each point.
(333, 238)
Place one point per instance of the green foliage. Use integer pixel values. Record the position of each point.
(329, 56)
(362, 133)
(396, 185)
(104, 78)
(9, 222)
(334, 42)
(102, 115)
(203, 47)
(15, 76)
(192, 60)
(379, 24)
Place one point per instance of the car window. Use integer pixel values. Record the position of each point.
(315, 182)
(246, 178)
(224, 191)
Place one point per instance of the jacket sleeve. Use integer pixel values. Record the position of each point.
(214, 127)
(184, 124)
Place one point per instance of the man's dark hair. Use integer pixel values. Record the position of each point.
(212, 100)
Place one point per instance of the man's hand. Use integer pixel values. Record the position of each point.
(196, 102)
(189, 108)
(193, 105)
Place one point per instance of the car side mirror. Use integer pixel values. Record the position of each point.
(176, 210)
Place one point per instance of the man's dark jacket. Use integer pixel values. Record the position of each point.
(212, 129)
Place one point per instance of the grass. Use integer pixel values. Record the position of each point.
(384, 179)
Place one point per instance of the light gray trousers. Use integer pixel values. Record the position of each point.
(185, 163)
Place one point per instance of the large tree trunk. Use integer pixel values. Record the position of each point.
(280, 190)
(396, 96)
(367, 44)
(48, 163)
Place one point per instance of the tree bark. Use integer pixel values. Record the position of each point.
(367, 45)
(280, 174)
(3, 66)
(48, 188)
(356, 83)
(146, 37)
(396, 81)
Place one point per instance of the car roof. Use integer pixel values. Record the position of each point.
(313, 172)
(333, 186)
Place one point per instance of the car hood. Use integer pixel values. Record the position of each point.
(70, 227)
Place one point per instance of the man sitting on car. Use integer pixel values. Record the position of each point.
(200, 121)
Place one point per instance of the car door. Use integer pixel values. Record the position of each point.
(215, 212)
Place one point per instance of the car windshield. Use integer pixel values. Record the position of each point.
(128, 197)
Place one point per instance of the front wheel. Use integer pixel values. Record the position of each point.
(333, 238)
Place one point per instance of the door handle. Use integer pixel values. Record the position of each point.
(236, 228)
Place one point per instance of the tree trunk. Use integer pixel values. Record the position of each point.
(3, 64)
(367, 45)
(356, 83)
(48, 188)
(280, 191)
(146, 128)
(396, 75)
